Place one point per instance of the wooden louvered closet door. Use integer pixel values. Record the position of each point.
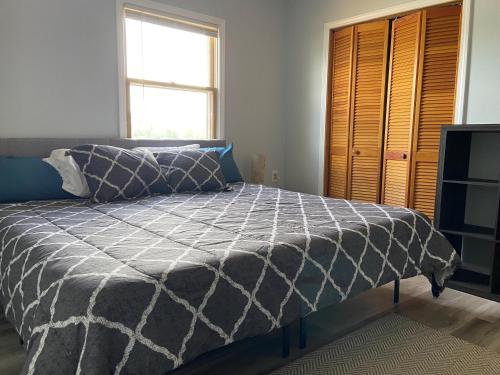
(405, 43)
(367, 110)
(386, 150)
(435, 100)
(339, 108)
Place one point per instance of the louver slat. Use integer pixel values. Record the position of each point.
(367, 110)
(400, 106)
(437, 85)
(339, 102)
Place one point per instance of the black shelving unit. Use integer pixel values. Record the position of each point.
(468, 205)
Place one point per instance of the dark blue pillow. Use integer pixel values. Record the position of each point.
(228, 164)
(29, 179)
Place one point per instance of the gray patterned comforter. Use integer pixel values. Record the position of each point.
(142, 287)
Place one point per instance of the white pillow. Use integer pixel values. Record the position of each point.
(73, 179)
(168, 149)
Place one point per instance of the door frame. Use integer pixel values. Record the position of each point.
(462, 72)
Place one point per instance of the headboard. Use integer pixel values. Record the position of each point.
(41, 147)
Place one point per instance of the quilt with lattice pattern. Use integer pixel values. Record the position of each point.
(142, 287)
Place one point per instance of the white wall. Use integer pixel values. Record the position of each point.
(58, 71)
(484, 80)
(305, 75)
(58, 74)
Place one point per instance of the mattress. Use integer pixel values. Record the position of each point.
(141, 287)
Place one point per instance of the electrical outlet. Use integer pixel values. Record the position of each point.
(275, 177)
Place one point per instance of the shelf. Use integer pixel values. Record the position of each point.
(468, 191)
(480, 290)
(474, 182)
(475, 268)
(475, 231)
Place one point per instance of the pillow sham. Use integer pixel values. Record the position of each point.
(114, 173)
(73, 179)
(25, 179)
(228, 164)
(192, 170)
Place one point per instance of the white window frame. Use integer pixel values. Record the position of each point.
(153, 7)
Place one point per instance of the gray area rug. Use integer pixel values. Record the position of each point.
(396, 345)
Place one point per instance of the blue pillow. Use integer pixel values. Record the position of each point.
(26, 179)
(229, 168)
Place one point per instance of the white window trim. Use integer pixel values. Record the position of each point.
(163, 8)
(463, 68)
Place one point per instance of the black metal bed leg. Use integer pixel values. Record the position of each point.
(396, 291)
(285, 341)
(302, 333)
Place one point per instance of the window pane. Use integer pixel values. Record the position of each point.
(167, 113)
(164, 54)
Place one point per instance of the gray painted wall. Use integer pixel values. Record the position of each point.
(58, 73)
(305, 75)
(59, 76)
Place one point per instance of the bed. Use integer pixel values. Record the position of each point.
(144, 286)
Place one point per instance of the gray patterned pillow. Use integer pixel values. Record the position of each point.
(192, 170)
(114, 173)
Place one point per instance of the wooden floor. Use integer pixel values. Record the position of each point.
(470, 318)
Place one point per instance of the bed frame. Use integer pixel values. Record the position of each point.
(303, 326)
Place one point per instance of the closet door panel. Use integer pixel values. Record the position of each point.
(436, 100)
(367, 110)
(400, 106)
(339, 111)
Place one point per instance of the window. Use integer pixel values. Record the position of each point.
(171, 67)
